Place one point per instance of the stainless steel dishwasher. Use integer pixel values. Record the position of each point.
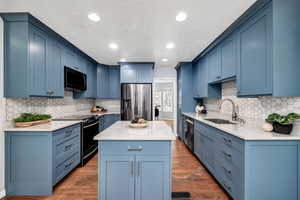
(188, 134)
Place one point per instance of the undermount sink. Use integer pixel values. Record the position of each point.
(220, 121)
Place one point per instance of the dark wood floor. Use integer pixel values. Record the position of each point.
(188, 176)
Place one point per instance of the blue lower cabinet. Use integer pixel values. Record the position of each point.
(110, 119)
(144, 173)
(36, 161)
(249, 170)
(118, 180)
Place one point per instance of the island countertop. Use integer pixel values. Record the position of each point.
(156, 130)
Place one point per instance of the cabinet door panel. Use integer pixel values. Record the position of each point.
(116, 177)
(128, 76)
(38, 43)
(114, 83)
(254, 60)
(152, 178)
(214, 67)
(228, 57)
(54, 69)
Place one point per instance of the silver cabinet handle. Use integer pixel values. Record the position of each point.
(227, 170)
(138, 148)
(228, 155)
(139, 168)
(227, 140)
(132, 168)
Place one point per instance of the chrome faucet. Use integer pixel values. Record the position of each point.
(235, 108)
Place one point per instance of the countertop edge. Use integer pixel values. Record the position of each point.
(268, 136)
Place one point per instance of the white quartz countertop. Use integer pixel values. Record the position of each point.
(51, 126)
(251, 130)
(156, 130)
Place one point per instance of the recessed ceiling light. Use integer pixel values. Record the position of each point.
(170, 45)
(165, 60)
(94, 17)
(122, 60)
(181, 16)
(113, 46)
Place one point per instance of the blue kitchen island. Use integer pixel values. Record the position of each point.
(135, 163)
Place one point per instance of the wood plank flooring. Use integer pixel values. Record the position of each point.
(188, 176)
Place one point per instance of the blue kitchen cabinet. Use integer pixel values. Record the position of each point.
(114, 82)
(54, 69)
(213, 65)
(255, 55)
(131, 167)
(119, 177)
(108, 82)
(110, 119)
(136, 72)
(91, 91)
(228, 56)
(35, 57)
(154, 171)
(249, 169)
(102, 81)
(201, 88)
(35, 161)
(37, 60)
(185, 101)
(144, 73)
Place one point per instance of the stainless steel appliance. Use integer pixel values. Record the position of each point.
(90, 126)
(188, 134)
(74, 80)
(136, 101)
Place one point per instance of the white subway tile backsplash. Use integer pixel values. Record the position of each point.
(258, 108)
(110, 104)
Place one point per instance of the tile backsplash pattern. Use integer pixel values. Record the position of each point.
(110, 104)
(56, 107)
(255, 108)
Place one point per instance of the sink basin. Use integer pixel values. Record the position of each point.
(220, 121)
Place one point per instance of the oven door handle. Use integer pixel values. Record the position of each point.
(91, 125)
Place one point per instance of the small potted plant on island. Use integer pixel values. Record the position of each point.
(282, 123)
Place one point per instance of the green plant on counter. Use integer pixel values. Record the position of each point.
(30, 117)
(283, 119)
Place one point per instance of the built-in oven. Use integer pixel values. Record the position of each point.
(188, 133)
(90, 128)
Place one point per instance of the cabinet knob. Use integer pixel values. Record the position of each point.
(218, 77)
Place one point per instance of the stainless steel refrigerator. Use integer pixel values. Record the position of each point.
(136, 101)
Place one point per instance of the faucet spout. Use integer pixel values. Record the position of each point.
(234, 108)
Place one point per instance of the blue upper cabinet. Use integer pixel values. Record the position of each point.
(108, 82)
(228, 52)
(91, 91)
(214, 65)
(255, 55)
(35, 57)
(136, 72)
(54, 69)
(201, 88)
(114, 82)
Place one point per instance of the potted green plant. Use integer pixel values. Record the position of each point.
(282, 123)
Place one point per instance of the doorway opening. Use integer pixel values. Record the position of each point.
(164, 105)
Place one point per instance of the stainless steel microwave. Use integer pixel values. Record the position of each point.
(74, 80)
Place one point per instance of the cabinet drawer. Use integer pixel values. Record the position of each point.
(230, 141)
(64, 168)
(66, 133)
(228, 155)
(135, 147)
(66, 149)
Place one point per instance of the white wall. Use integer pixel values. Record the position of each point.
(164, 72)
(2, 113)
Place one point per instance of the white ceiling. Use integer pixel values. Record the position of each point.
(141, 28)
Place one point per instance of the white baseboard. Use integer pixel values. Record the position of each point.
(2, 193)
